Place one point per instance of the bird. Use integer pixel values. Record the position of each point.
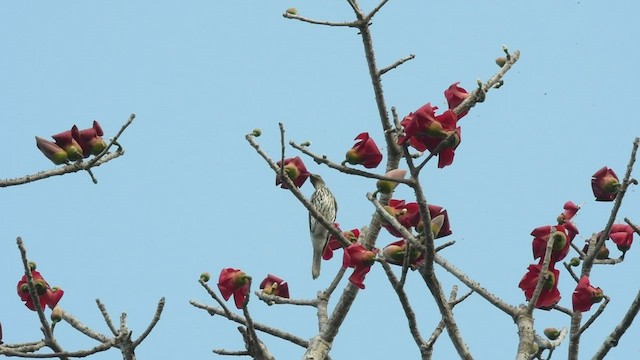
(322, 200)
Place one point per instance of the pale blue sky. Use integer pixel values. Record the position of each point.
(190, 195)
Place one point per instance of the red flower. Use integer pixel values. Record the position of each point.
(570, 210)
(394, 254)
(364, 152)
(549, 295)
(408, 215)
(273, 285)
(52, 151)
(561, 243)
(334, 244)
(605, 184)
(234, 282)
(66, 141)
(296, 171)
(455, 96)
(622, 235)
(358, 257)
(445, 229)
(585, 295)
(90, 139)
(424, 130)
(46, 295)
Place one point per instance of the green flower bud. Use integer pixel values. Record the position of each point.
(551, 333)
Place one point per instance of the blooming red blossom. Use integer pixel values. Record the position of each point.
(424, 131)
(445, 229)
(622, 235)
(90, 139)
(334, 244)
(455, 96)
(273, 285)
(296, 171)
(394, 254)
(561, 243)
(550, 294)
(364, 152)
(358, 257)
(570, 210)
(407, 214)
(47, 295)
(234, 282)
(605, 184)
(585, 295)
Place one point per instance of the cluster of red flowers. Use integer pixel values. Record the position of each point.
(73, 145)
(424, 130)
(605, 186)
(47, 295)
(236, 282)
(562, 235)
(408, 215)
(365, 152)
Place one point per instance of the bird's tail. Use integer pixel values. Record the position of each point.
(317, 260)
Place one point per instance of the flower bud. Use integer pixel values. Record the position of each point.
(501, 61)
(292, 11)
(387, 186)
(96, 145)
(551, 333)
(56, 314)
(256, 132)
(53, 152)
(205, 276)
(66, 141)
(574, 261)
